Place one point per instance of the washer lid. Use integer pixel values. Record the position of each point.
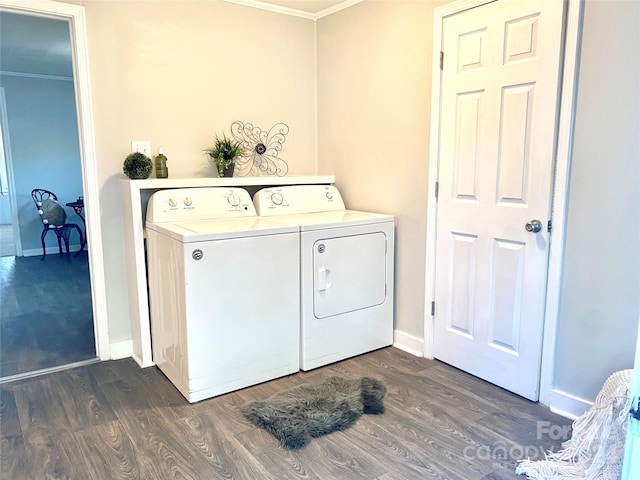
(218, 229)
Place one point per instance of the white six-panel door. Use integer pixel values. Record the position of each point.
(499, 95)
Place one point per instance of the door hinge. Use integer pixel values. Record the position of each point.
(549, 226)
(433, 308)
(441, 60)
(437, 189)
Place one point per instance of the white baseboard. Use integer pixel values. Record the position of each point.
(122, 349)
(567, 405)
(37, 252)
(408, 343)
(140, 363)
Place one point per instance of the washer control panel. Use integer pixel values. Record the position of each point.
(179, 204)
(296, 199)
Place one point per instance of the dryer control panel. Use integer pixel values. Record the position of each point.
(180, 204)
(296, 199)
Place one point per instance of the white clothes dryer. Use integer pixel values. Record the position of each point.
(224, 291)
(346, 271)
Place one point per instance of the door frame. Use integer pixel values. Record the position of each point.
(75, 15)
(560, 190)
(8, 165)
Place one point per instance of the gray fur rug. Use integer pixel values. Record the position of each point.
(298, 415)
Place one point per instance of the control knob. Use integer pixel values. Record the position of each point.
(188, 201)
(172, 202)
(276, 198)
(233, 199)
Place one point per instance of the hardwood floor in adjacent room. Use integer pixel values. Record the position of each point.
(113, 420)
(46, 315)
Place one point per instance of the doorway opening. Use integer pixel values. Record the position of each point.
(64, 310)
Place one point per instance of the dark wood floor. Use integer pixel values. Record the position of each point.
(46, 317)
(113, 420)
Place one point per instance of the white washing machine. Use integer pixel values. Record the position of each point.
(346, 271)
(224, 291)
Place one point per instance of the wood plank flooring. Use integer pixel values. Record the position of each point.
(46, 315)
(113, 420)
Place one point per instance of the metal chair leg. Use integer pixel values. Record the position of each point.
(81, 240)
(44, 248)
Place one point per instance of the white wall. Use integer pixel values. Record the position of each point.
(601, 280)
(45, 152)
(176, 73)
(374, 87)
(5, 210)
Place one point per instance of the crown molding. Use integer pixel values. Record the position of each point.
(273, 8)
(336, 8)
(292, 11)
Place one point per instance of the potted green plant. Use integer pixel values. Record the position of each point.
(223, 154)
(137, 166)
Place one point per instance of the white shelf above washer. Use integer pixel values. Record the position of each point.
(155, 183)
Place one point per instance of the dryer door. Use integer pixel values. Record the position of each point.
(349, 273)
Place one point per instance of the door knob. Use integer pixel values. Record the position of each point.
(534, 226)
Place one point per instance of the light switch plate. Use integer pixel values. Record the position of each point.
(142, 147)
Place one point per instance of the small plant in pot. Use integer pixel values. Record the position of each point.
(224, 153)
(137, 166)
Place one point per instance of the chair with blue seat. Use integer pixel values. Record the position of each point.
(54, 218)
